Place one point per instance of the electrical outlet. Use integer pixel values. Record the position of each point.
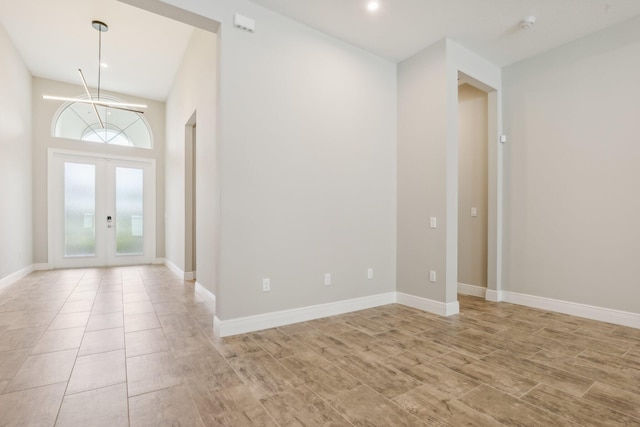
(474, 212)
(370, 273)
(433, 222)
(327, 279)
(432, 276)
(266, 285)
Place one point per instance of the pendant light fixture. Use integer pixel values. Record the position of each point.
(101, 27)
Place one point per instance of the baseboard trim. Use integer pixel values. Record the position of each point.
(43, 266)
(602, 314)
(241, 325)
(178, 271)
(14, 277)
(217, 328)
(429, 305)
(494, 296)
(174, 268)
(473, 290)
(205, 292)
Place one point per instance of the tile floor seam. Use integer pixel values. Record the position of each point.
(292, 373)
(126, 367)
(31, 388)
(76, 357)
(391, 401)
(527, 404)
(588, 389)
(459, 399)
(216, 350)
(193, 400)
(179, 292)
(326, 401)
(328, 361)
(480, 384)
(561, 415)
(529, 390)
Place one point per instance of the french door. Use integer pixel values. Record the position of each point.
(101, 210)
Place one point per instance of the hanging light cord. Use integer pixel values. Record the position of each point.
(99, 59)
(106, 116)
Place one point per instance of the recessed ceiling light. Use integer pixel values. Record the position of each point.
(104, 65)
(373, 5)
(528, 22)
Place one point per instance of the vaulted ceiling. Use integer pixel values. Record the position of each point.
(143, 50)
(55, 38)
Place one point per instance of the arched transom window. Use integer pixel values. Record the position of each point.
(77, 120)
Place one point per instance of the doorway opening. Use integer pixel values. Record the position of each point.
(479, 122)
(190, 199)
(473, 177)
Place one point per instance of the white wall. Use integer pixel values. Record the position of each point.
(472, 185)
(428, 167)
(44, 112)
(422, 174)
(16, 237)
(307, 135)
(194, 91)
(574, 171)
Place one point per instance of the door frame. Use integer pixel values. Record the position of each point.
(190, 191)
(482, 81)
(51, 180)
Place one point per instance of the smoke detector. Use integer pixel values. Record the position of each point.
(528, 22)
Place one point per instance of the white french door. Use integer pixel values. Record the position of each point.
(101, 210)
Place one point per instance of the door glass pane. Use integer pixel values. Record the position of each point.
(129, 202)
(79, 209)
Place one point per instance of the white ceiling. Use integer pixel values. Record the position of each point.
(490, 28)
(144, 50)
(55, 38)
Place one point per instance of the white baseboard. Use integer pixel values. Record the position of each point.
(174, 268)
(42, 267)
(225, 328)
(217, 328)
(14, 277)
(205, 292)
(178, 271)
(618, 317)
(494, 296)
(431, 306)
(473, 290)
(159, 261)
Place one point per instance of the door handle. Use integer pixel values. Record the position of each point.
(109, 222)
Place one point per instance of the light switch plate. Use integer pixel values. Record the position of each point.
(327, 279)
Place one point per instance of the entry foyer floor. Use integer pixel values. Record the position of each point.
(135, 346)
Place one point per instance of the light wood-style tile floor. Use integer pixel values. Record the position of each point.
(134, 346)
